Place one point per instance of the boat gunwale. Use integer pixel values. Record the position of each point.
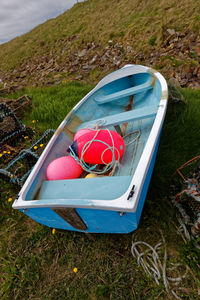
(121, 203)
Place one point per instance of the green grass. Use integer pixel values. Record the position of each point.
(50, 105)
(38, 265)
(179, 140)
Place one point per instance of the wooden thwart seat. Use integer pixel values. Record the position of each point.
(125, 117)
(124, 93)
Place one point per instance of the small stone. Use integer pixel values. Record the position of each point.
(116, 61)
(79, 77)
(183, 82)
(23, 74)
(129, 49)
(85, 67)
(170, 47)
(171, 31)
(93, 59)
(82, 53)
(103, 59)
(76, 62)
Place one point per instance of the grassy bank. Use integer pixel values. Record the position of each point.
(35, 264)
(140, 24)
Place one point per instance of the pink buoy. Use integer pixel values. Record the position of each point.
(99, 146)
(81, 132)
(64, 167)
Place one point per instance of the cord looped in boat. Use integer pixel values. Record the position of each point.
(93, 169)
(134, 139)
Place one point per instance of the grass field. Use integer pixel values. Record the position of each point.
(36, 264)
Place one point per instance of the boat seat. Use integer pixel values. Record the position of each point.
(127, 92)
(124, 117)
(103, 188)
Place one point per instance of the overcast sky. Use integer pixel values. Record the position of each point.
(20, 16)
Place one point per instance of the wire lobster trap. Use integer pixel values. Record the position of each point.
(18, 105)
(187, 201)
(10, 126)
(17, 170)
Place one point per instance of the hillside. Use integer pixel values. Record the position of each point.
(97, 36)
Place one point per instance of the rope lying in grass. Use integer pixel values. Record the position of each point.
(156, 267)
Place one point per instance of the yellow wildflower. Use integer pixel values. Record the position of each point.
(10, 199)
(1, 155)
(4, 152)
(8, 152)
(75, 270)
(26, 137)
(53, 231)
(33, 121)
(35, 147)
(41, 145)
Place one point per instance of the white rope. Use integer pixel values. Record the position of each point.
(108, 166)
(182, 228)
(115, 161)
(133, 140)
(154, 267)
(113, 150)
(96, 125)
(101, 122)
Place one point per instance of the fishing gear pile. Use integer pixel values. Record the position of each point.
(20, 167)
(94, 151)
(11, 127)
(18, 106)
(16, 160)
(187, 201)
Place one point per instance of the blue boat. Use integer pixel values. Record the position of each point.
(131, 101)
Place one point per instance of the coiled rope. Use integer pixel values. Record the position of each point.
(156, 267)
(93, 169)
(108, 166)
(134, 139)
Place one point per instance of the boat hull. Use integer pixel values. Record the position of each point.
(108, 204)
(97, 221)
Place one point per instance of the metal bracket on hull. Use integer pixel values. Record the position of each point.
(131, 192)
(71, 216)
